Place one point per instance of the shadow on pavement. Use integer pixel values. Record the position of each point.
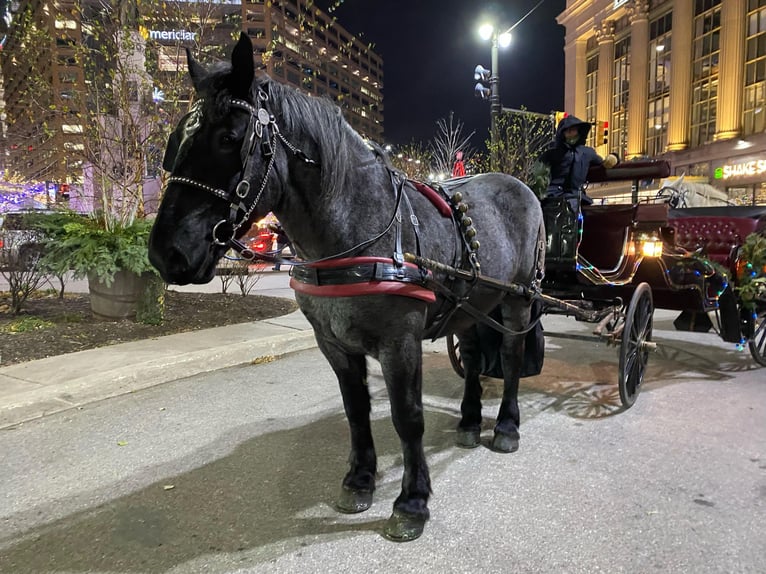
(264, 497)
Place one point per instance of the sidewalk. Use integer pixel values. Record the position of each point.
(37, 388)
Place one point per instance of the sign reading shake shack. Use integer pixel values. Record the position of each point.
(751, 168)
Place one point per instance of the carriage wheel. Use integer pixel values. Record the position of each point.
(633, 353)
(453, 350)
(757, 342)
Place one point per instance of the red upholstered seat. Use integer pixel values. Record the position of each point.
(716, 235)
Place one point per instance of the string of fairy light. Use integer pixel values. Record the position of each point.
(16, 195)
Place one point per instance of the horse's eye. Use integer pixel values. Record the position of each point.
(228, 140)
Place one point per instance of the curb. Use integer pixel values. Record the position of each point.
(37, 396)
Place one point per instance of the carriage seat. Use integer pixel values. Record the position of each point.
(717, 236)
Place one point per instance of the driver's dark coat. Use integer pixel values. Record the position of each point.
(570, 163)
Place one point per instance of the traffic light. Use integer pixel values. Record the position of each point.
(481, 89)
(559, 116)
(602, 133)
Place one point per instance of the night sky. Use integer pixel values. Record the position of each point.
(431, 47)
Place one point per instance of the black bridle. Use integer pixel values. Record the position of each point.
(676, 199)
(261, 129)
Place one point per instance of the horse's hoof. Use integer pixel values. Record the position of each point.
(505, 442)
(402, 527)
(468, 438)
(353, 501)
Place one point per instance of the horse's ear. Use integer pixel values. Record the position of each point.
(242, 66)
(196, 71)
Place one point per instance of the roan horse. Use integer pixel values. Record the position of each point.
(250, 146)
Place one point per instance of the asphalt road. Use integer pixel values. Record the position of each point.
(237, 470)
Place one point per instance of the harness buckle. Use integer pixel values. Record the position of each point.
(243, 188)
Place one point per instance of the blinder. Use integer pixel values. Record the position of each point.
(180, 140)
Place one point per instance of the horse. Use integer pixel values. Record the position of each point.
(682, 194)
(250, 146)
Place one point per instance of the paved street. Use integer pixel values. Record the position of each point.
(236, 471)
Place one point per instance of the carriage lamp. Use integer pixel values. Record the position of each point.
(649, 246)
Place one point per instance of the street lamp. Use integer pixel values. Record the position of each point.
(502, 40)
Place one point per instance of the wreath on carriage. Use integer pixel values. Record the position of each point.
(751, 271)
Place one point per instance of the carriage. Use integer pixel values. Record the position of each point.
(613, 264)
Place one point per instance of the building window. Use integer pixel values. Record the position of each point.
(618, 126)
(753, 120)
(659, 85)
(591, 94)
(707, 30)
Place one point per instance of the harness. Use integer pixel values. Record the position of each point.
(340, 274)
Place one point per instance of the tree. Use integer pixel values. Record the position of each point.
(449, 140)
(522, 137)
(414, 160)
(120, 93)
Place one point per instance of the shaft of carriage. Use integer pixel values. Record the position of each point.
(588, 315)
(628, 327)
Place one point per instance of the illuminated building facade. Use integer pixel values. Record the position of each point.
(684, 80)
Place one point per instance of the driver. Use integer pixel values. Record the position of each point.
(569, 160)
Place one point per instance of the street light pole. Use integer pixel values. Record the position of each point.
(494, 103)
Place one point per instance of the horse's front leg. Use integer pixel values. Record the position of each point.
(402, 364)
(359, 482)
(469, 428)
(516, 317)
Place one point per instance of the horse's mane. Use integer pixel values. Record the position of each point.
(317, 117)
(323, 122)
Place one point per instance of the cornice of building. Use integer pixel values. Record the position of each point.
(582, 17)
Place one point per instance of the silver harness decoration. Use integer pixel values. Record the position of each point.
(261, 127)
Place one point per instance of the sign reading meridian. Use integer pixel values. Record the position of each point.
(183, 35)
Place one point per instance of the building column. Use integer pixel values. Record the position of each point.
(728, 122)
(570, 75)
(638, 97)
(580, 64)
(681, 75)
(604, 84)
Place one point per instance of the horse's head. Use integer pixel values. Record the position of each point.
(217, 150)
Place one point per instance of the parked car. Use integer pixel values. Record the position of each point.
(19, 245)
(260, 240)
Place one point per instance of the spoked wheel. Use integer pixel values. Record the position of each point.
(453, 350)
(757, 342)
(634, 353)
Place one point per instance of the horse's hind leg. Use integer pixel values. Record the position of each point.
(469, 427)
(402, 363)
(516, 317)
(359, 482)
